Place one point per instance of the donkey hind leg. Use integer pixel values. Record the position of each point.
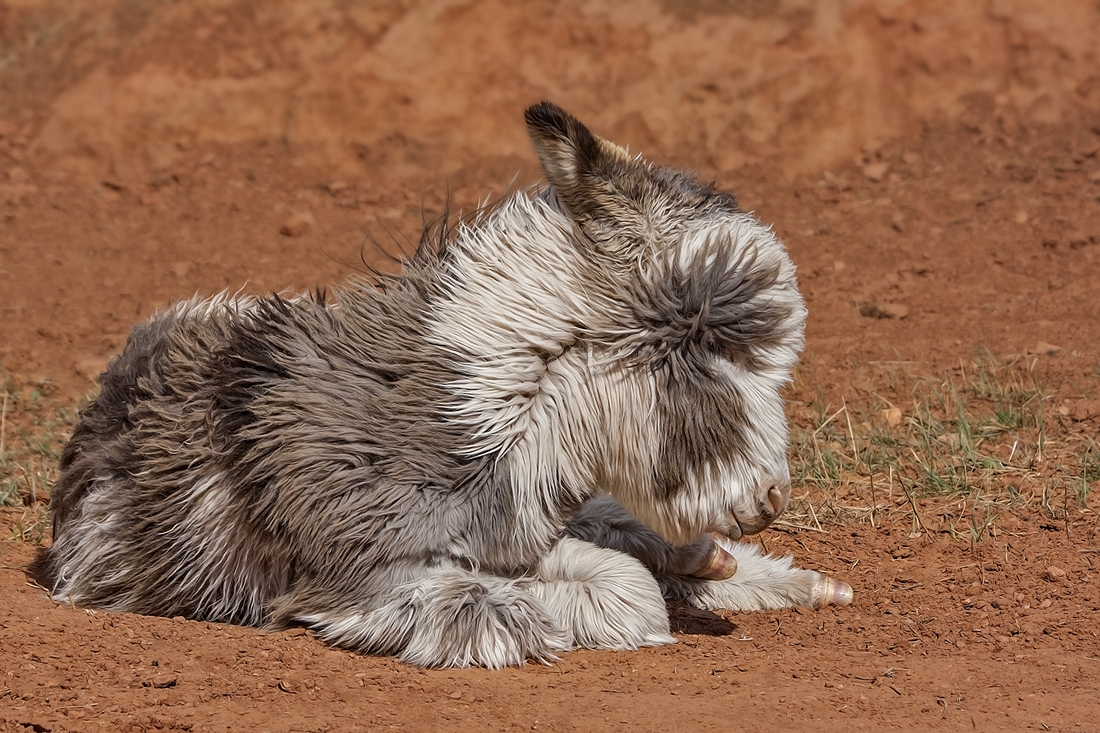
(447, 617)
(603, 598)
(761, 582)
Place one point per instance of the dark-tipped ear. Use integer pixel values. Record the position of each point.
(565, 147)
(572, 157)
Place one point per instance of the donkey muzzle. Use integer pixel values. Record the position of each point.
(772, 499)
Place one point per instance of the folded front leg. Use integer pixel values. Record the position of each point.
(762, 582)
(605, 523)
(758, 582)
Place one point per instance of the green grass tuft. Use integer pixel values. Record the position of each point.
(954, 451)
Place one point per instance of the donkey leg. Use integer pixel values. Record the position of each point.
(605, 523)
(760, 582)
(603, 598)
(447, 617)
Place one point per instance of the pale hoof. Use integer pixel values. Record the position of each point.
(718, 564)
(830, 592)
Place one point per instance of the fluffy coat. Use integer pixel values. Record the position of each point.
(515, 448)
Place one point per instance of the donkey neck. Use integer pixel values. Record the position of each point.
(512, 309)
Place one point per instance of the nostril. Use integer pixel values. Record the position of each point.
(777, 499)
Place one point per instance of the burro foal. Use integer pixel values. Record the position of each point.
(564, 411)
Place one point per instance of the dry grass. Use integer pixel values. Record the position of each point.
(946, 454)
(33, 429)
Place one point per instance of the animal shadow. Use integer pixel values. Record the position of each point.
(685, 619)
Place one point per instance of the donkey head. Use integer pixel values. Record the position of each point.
(695, 324)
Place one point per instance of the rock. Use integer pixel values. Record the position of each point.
(296, 225)
(160, 681)
(1054, 573)
(292, 227)
(892, 416)
(876, 171)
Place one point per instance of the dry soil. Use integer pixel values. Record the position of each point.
(933, 167)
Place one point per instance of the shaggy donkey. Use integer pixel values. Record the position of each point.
(558, 413)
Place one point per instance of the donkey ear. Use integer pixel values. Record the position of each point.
(575, 161)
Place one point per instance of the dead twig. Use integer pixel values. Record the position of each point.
(913, 504)
(782, 524)
(827, 421)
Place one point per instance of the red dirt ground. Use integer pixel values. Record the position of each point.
(937, 159)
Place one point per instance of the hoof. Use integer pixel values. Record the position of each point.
(718, 564)
(829, 592)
